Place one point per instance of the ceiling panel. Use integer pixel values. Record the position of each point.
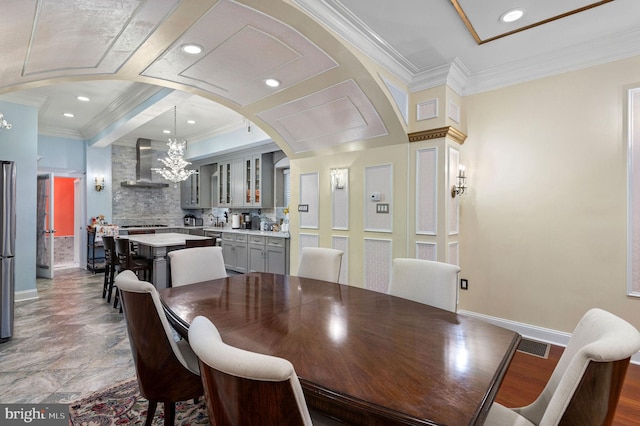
(336, 115)
(483, 18)
(244, 49)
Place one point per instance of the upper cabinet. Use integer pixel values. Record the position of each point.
(195, 192)
(246, 182)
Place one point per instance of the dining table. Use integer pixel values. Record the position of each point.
(363, 357)
(156, 246)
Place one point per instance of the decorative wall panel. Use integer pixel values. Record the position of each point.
(454, 205)
(426, 251)
(377, 264)
(453, 254)
(342, 243)
(340, 199)
(633, 275)
(426, 191)
(308, 240)
(378, 192)
(309, 197)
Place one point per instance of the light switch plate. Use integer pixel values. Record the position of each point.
(382, 208)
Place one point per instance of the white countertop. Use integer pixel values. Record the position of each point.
(250, 232)
(167, 239)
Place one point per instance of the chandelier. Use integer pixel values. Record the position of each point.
(3, 123)
(174, 163)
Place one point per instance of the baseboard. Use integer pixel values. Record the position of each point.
(533, 332)
(21, 296)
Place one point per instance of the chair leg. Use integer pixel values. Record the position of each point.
(151, 411)
(169, 413)
(116, 298)
(105, 286)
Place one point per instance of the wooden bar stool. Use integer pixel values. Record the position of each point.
(111, 263)
(128, 261)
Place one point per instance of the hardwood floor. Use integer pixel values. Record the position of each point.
(528, 375)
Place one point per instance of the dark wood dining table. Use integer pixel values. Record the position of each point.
(364, 357)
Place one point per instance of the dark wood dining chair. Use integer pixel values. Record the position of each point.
(200, 243)
(585, 386)
(248, 388)
(167, 371)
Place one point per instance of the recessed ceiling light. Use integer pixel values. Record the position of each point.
(83, 98)
(166, 131)
(191, 121)
(512, 15)
(272, 82)
(68, 114)
(191, 48)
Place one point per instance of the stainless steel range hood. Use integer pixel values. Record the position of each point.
(143, 167)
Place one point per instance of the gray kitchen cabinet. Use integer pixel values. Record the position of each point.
(234, 251)
(245, 182)
(195, 191)
(258, 180)
(268, 254)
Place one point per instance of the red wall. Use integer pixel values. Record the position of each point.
(63, 212)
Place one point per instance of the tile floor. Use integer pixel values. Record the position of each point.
(66, 344)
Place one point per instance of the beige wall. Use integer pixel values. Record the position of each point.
(543, 227)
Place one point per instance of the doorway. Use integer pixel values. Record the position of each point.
(59, 226)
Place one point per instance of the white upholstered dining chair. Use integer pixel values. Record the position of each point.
(585, 386)
(248, 388)
(194, 265)
(425, 281)
(320, 263)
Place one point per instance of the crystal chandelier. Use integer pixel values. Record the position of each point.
(3, 123)
(174, 163)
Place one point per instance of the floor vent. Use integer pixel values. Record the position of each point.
(534, 348)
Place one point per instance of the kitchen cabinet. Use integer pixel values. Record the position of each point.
(230, 181)
(258, 181)
(246, 182)
(234, 251)
(195, 191)
(268, 254)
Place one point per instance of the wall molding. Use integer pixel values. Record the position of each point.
(21, 296)
(541, 334)
(441, 132)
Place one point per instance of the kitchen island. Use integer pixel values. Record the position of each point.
(156, 247)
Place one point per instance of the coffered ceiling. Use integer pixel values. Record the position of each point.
(127, 57)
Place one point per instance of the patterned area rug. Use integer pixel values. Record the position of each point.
(122, 404)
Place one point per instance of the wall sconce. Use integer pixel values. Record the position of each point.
(100, 185)
(461, 182)
(3, 123)
(338, 178)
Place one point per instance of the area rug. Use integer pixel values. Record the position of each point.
(122, 404)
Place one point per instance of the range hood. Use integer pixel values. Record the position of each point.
(143, 167)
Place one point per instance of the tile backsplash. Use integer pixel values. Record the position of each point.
(142, 206)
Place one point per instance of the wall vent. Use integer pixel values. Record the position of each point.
(534, 348)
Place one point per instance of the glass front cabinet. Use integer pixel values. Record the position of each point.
(246, 182)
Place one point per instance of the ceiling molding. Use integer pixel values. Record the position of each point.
(587, 54)
(130, 99)
(340, 19)
(442, 132)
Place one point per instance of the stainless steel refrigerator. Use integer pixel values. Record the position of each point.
(7, 247)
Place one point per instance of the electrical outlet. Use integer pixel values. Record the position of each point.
(464, 284)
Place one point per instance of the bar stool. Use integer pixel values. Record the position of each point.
(111, 263)
(200, 243)
(128, 261)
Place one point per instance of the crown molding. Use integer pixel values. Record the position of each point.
(583, 55)
(134, 96)
(442, 132)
